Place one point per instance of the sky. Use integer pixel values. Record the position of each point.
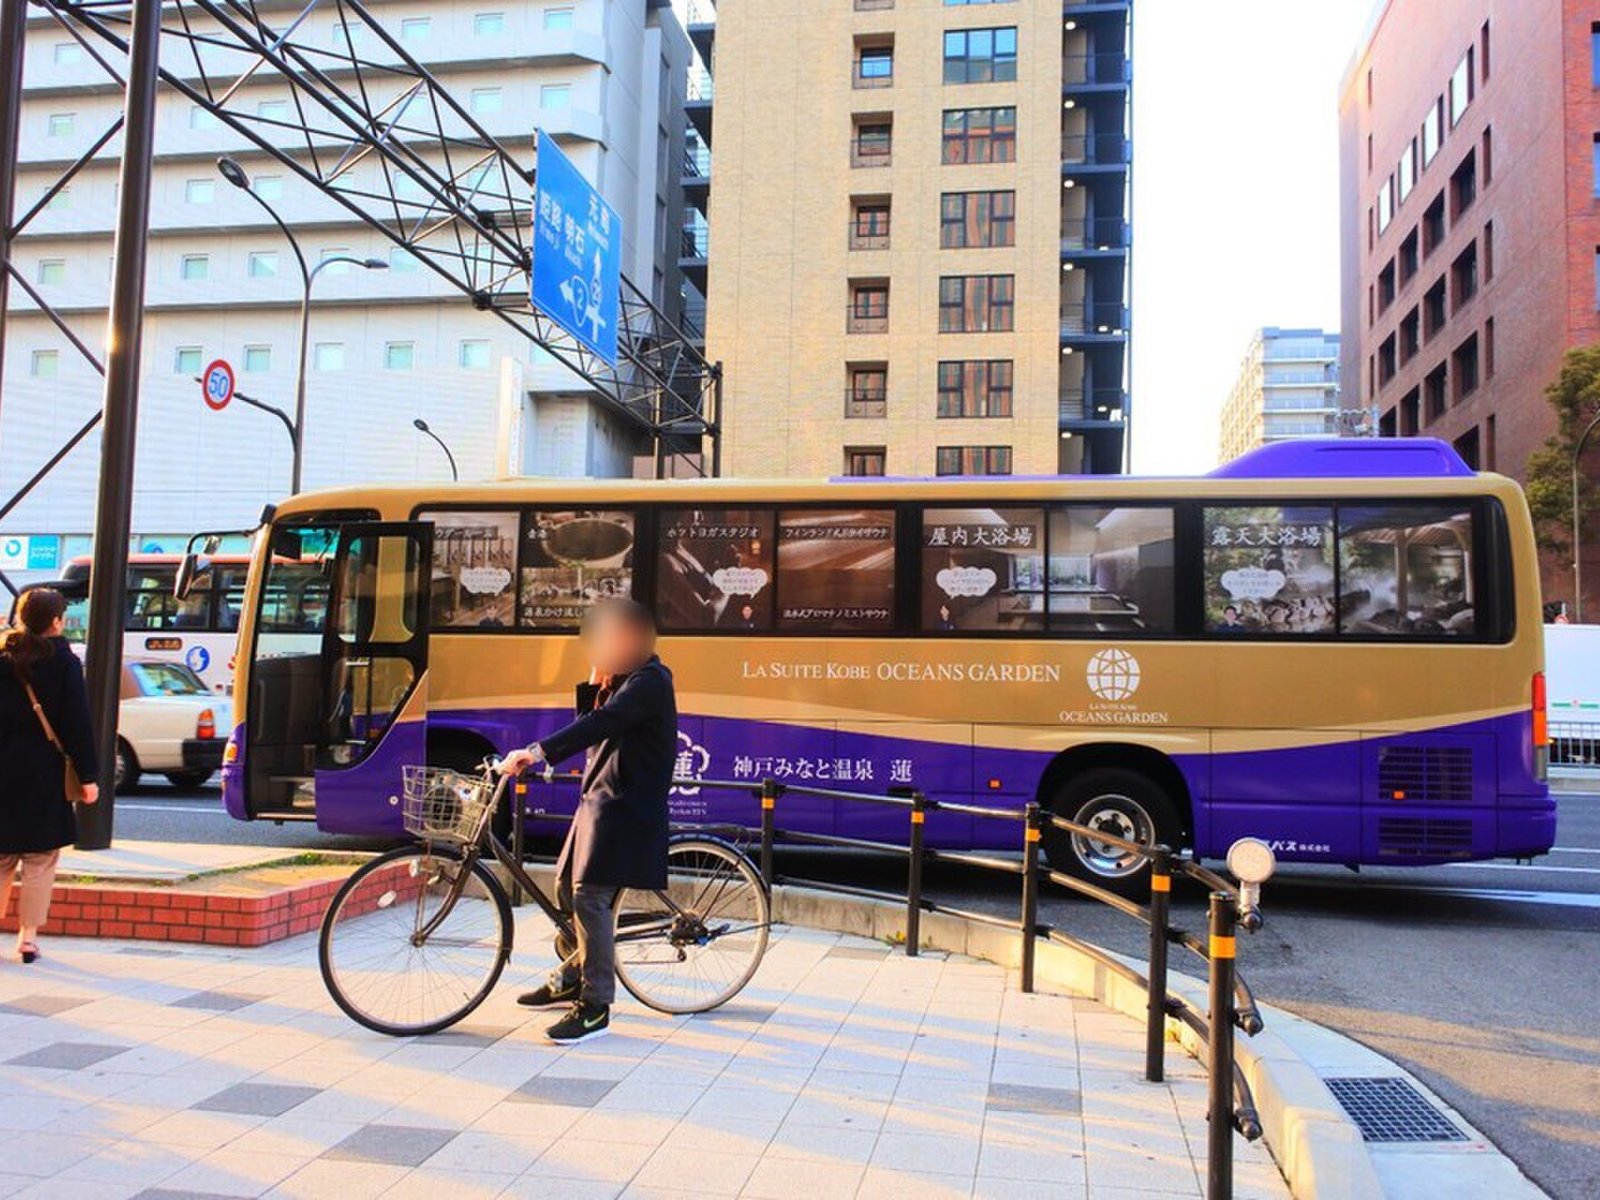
(1236, 200)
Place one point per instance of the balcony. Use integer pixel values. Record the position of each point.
(870, 152)
(692, 252)
(697, 105)
(1091, 404)
(866, 403)
(1094, 235)
(866, 318)
(1096, 70)
(695, 176)
(1094, 150)
(1093, 321)
(868, 239)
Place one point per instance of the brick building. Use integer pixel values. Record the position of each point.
(1470, 219)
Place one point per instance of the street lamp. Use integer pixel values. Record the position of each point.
(1577, 524)
(423, 427)
(231, 170)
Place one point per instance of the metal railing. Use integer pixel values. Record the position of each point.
(861, 240)
(870, 153)
(863, 320)
(1093, 319)
(696, 241)
(1094, 149)
(1231, 1004)
(866, 403)
(700, 86)
(1093, 233)
(697, 162)
(1096, 68)
(1078, 404)
(1575, 744)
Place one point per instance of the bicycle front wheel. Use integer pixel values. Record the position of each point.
(415, 940)
(693, 946)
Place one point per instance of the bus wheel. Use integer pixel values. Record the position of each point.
(127, 773)
(1122, 803)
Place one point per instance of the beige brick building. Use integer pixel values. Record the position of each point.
(918, 236)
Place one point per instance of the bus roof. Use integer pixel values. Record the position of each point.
(1349, 458)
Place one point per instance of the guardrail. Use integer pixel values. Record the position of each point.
(1231, 1004)
(1575, 744)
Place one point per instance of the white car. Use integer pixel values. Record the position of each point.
(171, 723)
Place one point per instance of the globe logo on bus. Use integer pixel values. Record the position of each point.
(1113, 674)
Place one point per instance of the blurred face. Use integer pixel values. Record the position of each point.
(617, 646)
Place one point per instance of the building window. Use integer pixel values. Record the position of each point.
(1433, 310)
(346, 37)
(1433, 131)
(864, 460)
(1410, 409)
(1386, 287)
(970, 219)
(973, 460)
(1488, 251)
(398, 356)
(980, 135)
(1434, 393)
(872, 144)
(1410, 335)
(186, 360)
(61, 201)
(1597, 277)
(869, 308)
(337, 259)
(1488, 156)
(194, 266)
(874, 66)
(401, 259)
(415, 29)
(1464, 368)
(1386, 204)
(1464, 277)
(68, 54)
(269, 187)
(869, 223)
(487, 100)
(1386, 360)
(555, 95)
(273, 110)
(489, 24)
(1483, 53)
(328, 356)
(1433, 226)
(1464, 184)
(1462, 86)
(202, 118)
(1406, 174)
(1409, 258)
(60, 124)
(980, 55)
(257, 359)
(45, 364)
(978, 388)
(263, 264)
(558, 18)
(52, 270)
(867, 392)
(976, 303)
(200, 191)
(1488, 350)
(473, 354)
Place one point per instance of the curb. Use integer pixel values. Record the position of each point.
(1316, 1145)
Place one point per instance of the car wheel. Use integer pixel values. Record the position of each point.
(188, 779)
(1124, 804)
(127, 773)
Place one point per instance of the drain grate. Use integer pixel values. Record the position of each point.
(1391, 1110)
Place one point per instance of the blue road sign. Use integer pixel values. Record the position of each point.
(577, 253)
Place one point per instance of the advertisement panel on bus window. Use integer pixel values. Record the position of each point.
(983, 569)
(714, 568)
(571, 560)
(474, 570)
(1269, 569)
(1111, 569)
(835, 569)
(1406, 569)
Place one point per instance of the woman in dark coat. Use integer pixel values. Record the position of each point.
(36, 818)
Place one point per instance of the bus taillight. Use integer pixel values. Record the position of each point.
(206, 727)
(1541, 727)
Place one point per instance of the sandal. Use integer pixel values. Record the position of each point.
(28, 951)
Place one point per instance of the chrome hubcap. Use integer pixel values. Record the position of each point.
(1119, 817)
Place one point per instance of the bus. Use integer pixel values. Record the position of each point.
(1334, 646)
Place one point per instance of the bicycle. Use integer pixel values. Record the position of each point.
(417, 938)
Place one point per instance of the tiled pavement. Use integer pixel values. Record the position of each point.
(842, 1070)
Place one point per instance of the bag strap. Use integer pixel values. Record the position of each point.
(44, 721)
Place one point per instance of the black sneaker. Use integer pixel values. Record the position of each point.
(583, 1021)
(548, 994)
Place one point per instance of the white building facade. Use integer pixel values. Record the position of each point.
(1288, 387)
(605, 77)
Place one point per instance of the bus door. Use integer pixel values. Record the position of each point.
(342, 707)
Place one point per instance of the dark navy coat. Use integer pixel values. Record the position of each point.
(619, 832)
(34, 813)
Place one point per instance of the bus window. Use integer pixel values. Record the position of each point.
(835, 569)
(294, 598)
(474, 569)
(1111, 570)
(570, 560)
(151, 604)
(1406, 569)
(1269, 569)
(715, 568)
(983, 569)
(229, 588)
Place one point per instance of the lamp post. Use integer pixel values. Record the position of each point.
(1577, 523)
(422, 427)
(231, 170)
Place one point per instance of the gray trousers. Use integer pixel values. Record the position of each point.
(594, 966)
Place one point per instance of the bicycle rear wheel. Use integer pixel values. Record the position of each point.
(693, 946)
(395, 960)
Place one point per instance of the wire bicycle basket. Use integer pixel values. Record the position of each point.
(442, 805)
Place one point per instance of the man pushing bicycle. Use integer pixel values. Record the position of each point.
(628, 722)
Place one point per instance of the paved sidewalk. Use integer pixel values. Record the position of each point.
(165, 862)
(843, 1070)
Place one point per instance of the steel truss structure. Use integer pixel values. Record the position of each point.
(431, 179)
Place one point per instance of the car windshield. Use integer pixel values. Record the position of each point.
(167, 679)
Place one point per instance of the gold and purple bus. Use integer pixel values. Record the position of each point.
(1331, 645)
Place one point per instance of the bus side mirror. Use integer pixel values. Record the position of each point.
(188, 568)
(286, 543)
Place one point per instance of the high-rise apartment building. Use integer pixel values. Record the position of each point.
(1288, 387)
(605, 77)
(1470, 165)
(920, 236)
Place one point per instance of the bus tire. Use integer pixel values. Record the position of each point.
(127, 773)
(1126, 803)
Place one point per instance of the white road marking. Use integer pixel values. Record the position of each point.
(124, 806)
(1574, 850)
(1503, 866)
(1556, 899)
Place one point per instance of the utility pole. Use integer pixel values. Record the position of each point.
(13, 38)
(108, 580)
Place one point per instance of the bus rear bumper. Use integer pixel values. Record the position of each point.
(1525, 832)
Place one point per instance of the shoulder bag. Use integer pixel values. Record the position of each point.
(72, 786)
